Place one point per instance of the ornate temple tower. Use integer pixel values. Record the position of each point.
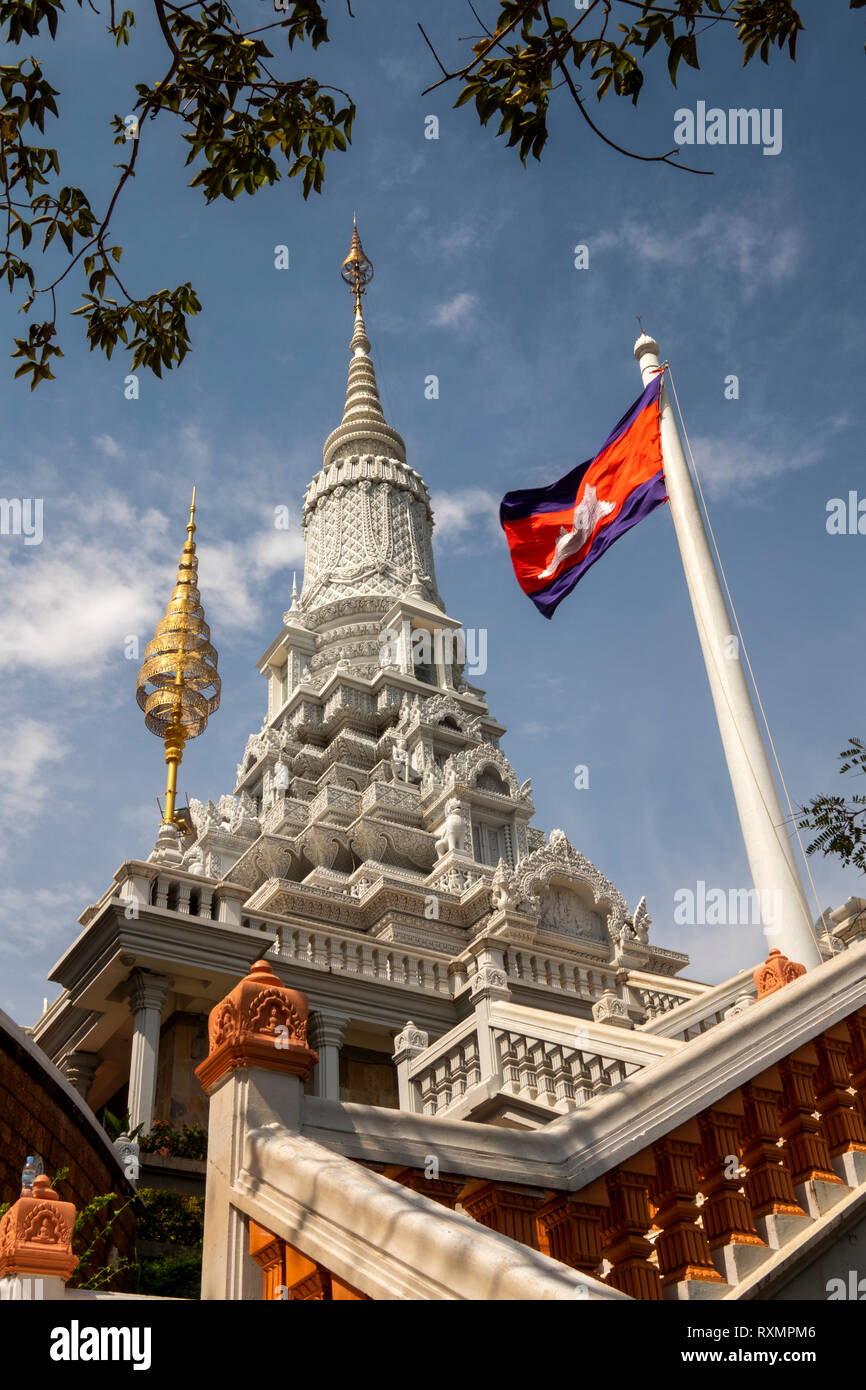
(367, 518)
(378, 850)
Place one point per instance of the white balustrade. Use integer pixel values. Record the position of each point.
(344, 953)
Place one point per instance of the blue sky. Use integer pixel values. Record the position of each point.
(755, 271)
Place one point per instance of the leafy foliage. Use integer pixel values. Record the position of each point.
(188, 1142)
(244, 126)
(170, 1217)
(117, 1127)
(841, 830)
(90, 1234)
(526, 54)
(177, 1274)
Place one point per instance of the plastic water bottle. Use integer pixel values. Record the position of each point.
(29, 1176)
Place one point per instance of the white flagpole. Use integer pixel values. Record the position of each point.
(775, 873)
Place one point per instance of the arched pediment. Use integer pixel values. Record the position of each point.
(445, 710)
(472, 763)
(559, 861)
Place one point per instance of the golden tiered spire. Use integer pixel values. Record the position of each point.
(178, 686)
(357, 269)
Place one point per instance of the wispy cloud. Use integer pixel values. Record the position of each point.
(104, 572)
(736, 468)
(36, 918)
(236, 571)
(32, 753)
(437, 233)
(109, 446)
(465, 517)
(408, 76)
(737, 241)
(395, 162)
(455, 312)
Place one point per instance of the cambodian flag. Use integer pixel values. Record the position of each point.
(555, 533)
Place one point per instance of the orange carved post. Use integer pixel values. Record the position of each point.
(683, 1253)
(289, 1275)
(841, 1124)
(258, 1037)
(261, 1023)
(503, 1208)
(856, 1024)
(623, 1235)
(269, 1253)
(776, 972)
(36, 1241)
(806, 1151)
(768, 1183)
(726, 1213)
(306, 1280)
(569, 1229)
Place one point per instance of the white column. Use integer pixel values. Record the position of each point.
(326, 1036)
(775, 873)
(147, 994)
(245, 1099)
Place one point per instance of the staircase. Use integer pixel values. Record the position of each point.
(732, 1168)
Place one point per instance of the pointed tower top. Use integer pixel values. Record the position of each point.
(189, 546)
(357, 268)
(366, 517)
(363, 428)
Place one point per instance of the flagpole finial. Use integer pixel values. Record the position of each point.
(646, 350)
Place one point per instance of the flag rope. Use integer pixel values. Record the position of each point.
(742, 641)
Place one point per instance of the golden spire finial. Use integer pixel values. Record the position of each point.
(178, 686)
(357, 269)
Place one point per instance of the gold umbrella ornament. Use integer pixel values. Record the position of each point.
(178, 686)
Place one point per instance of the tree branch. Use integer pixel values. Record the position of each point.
(630, 154)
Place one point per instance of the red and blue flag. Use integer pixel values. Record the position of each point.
(555, 533)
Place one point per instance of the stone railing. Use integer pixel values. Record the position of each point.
(656, 1001)
(555, 1075)
(734, 1166)
(348, 953)
(532, 967)
(676, 1017)
(178, 890)
(437, 1078)
(490, 1055)
(286, 1217)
